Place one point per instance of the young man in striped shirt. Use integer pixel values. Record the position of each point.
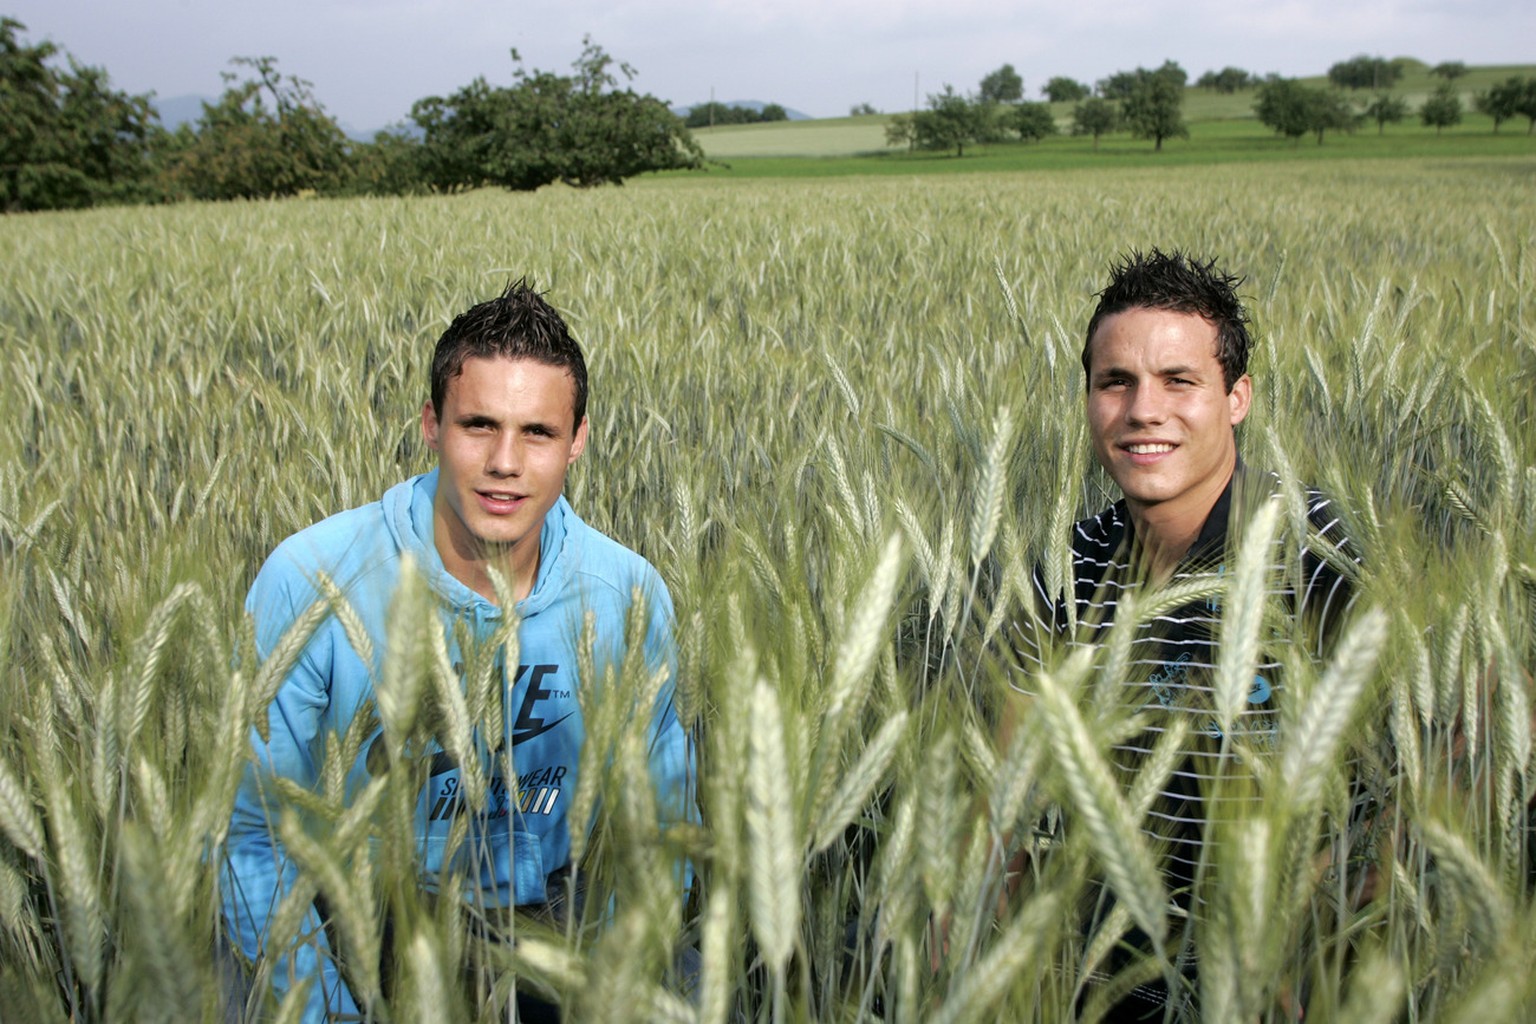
(1166, 359)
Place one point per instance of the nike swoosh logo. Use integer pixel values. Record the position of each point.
(520, 735)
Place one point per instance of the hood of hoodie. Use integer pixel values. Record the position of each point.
(408, 509)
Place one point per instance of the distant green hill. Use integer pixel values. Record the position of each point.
(854, 136)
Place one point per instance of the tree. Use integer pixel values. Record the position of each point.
(1062, 89)
(1228, 80)
(1004, 85)
(1174, 73)
(712, 113)
(901, 131)
(1386, 109)
(1033, 121)
(953, 121)
(579, 129)
(67, 138)
(1154, 109)
(266, 136)
(1095, 116)
(1331, 112)
(1527, 106)
(861, 109)
(1284, 105)
(1364, 72)
(1121, 84)
(390, 165)
(1293, 109)
(1449, 70)
(1502, 101)
(1442, 109)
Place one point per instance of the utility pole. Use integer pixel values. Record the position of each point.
(912, 142)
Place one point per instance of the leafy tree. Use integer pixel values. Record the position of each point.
(1386, 109)
(390, 165)
(1449, 70)
(712, 113)
(1228, 80)
(1004, 85)
(67, 138)
(1331, 112)
(1285, 105)
(1154, 109)
(861, 109)
(1062, 89)
(1033, 121)
(1364, 72)
(266, 136)
(1527, 106)
(1293, 109)
(1174, 73)
(579, 129)
(1095, 116)
(1442, 109)
(1121, 84)
(1502, 101)
(953, 121)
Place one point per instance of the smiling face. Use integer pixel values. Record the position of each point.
(1160, 416)
(504, 438)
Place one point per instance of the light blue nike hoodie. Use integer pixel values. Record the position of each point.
(580, 571)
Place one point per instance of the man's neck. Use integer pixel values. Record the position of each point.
(470, 563)
(1165, 531)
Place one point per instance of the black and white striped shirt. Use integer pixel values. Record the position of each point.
(1174, 655)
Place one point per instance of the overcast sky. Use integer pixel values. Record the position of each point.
(370, 59)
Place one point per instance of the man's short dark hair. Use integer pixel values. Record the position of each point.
(517, 324)
(1180, 284)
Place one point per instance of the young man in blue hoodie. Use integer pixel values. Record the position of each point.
(506, 418)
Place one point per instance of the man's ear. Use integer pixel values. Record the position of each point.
(1240, 397)
(429, 424)
(579, 442)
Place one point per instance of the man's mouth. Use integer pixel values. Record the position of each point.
(1150, 448)
(499, 501)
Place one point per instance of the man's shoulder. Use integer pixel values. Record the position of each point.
(348, 546)
(604, 560)
(1097, 537)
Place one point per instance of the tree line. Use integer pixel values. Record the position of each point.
(1293, 108)
(69, 140)
(1148, 103)
(707, 115)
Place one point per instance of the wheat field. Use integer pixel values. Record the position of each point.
(843, 418)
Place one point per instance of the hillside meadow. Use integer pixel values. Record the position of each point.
(843, 418)
(1222, 127)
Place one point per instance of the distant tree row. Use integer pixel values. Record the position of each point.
(1294, 109)
(1148, 103)
(707, 114)
(1228, 80)
(69, 140)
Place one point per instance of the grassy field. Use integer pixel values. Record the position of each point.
(1222, 127)
(843, 418)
